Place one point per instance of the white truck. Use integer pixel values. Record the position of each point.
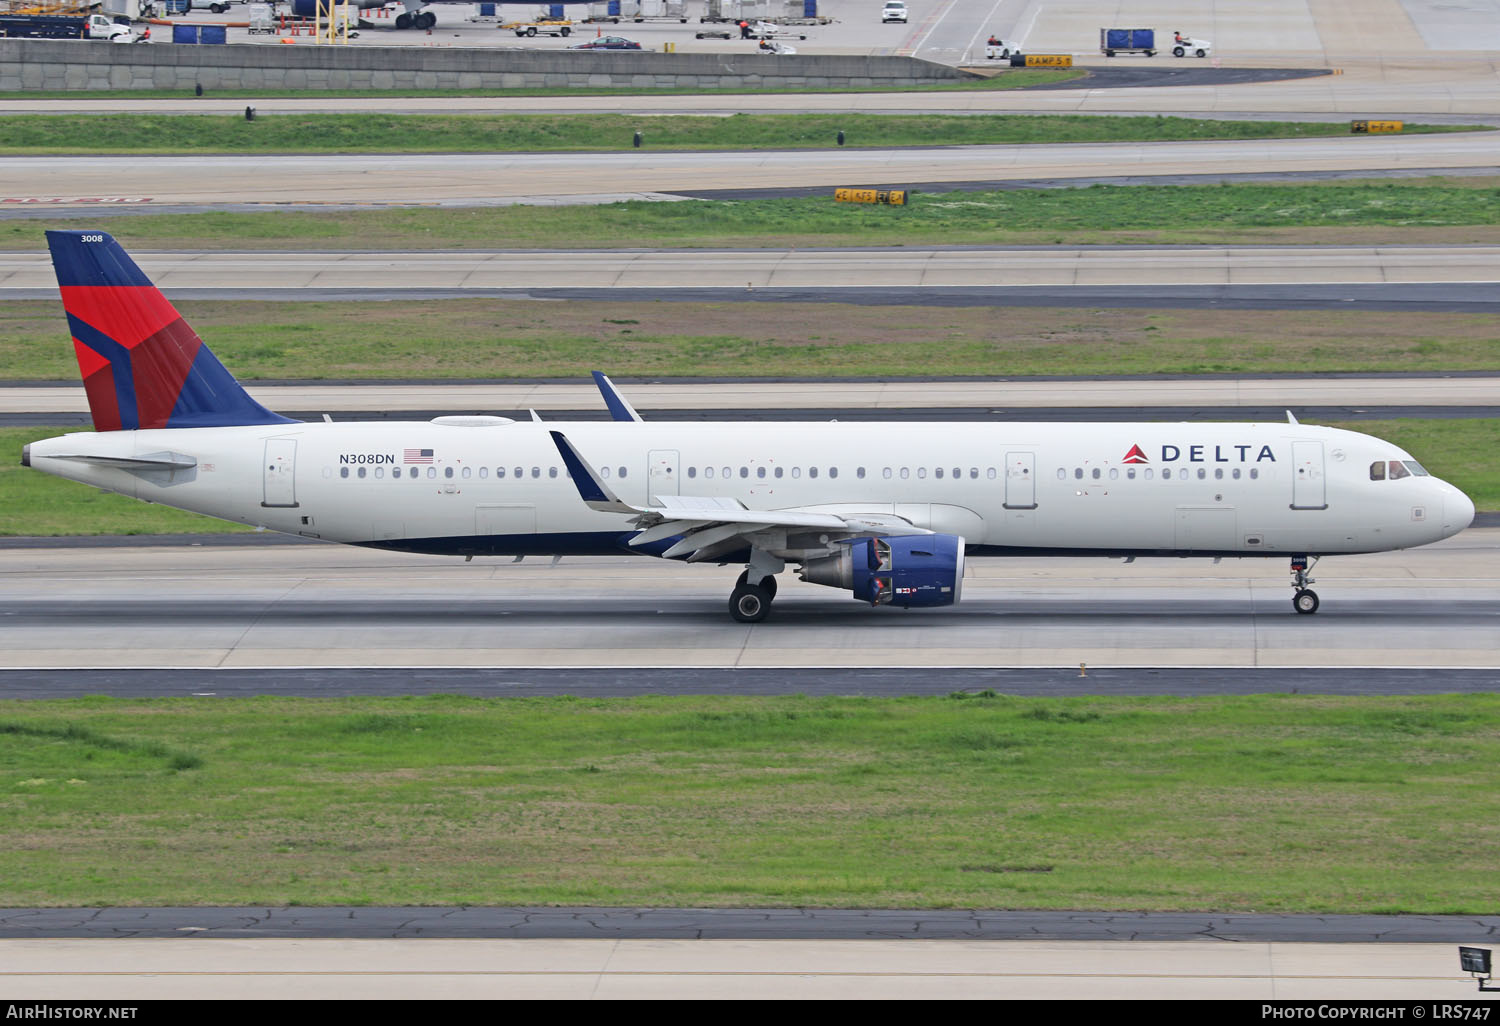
(135, 10)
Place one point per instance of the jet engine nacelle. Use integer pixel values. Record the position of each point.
(910, 570)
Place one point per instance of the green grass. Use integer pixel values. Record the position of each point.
(1367, 212)
(1269, 803)
(1464, 452)
(478, 339)
(1017, 78)
(490, 133)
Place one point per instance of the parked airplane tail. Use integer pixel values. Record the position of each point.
(142, 365)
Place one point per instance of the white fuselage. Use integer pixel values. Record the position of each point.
(501, 488)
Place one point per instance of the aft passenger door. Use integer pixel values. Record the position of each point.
(1308, 486)
(280, 465)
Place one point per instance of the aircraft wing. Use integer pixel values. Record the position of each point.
(706, 526)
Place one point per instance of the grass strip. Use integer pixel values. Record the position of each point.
(487, 339)
(1368, 212)
(1009, 78)
(506, 133)
(32, 504)
(1266, 803)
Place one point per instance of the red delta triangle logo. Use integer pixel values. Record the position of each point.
(1135, 456)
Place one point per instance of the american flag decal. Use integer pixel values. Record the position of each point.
(417, 456)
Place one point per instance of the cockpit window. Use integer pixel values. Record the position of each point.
(1398, 470)
(1377, 470)
(1416, 468)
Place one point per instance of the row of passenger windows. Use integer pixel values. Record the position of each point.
(777, 473)
(1148, 473)
(449, 472)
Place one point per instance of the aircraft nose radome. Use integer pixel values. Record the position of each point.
(1459, 509)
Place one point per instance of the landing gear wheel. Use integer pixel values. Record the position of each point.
(403, 21)
(424, 20)
(1305, 601)
(767, 582)
(750, 603)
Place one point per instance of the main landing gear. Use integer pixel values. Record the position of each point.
(1305, 600)
(751, 603)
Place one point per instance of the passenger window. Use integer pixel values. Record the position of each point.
(1254, 473)
(552, 472)
(361, 472)
(604, 472)
(343, 472)
(921, 473)
(1236, 473)
(520, 472)
(1078, 473)
(467, 473)
(1094, 473)
(1130, 473)
(432, 472)
(886, 473)
(760, 472)
(380, 472)
(834, 472)
(780, 471)
(499, 472)
(905, 473)
(744, 472)
(1218, 473)
(1149, 473)
(859, 472)
(725, 472)
(1166, 473)
(708, 472)
(536, 472)
(974, 473)
(484, 472)
(1062, 473)
(938, 473)
(796, 471)
(958, 472)
(1114, 473)
(812, 471)
(623, 472)
(692, 471)
(990, 473)
(1202, 474)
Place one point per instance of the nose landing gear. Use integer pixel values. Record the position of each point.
(1305, 600)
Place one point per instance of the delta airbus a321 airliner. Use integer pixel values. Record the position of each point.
(886, 512)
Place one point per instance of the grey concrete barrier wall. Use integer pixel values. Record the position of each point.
(61, 64)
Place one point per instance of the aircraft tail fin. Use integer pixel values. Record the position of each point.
(142, 365)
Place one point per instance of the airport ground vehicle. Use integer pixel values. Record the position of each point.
(1117, 41)
(894, 10)
(1187, 46)
(542, 26)
(60, 26)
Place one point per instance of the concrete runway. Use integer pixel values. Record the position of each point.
(466, 178)
(900, 970)
(334, 606)
(1127, 396)
(860, 268)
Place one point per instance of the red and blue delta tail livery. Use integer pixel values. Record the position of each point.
(142, 365)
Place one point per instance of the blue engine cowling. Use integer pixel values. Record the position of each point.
(907, 571)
